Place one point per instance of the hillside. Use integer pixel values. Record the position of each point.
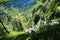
(21, 4)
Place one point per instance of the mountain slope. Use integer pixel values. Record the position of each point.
(23, 4)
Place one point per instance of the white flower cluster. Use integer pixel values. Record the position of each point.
(29, 30)
(53, 22)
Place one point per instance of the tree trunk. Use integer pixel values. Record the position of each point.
(4, 26)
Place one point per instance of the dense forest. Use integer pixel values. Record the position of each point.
(29, 19)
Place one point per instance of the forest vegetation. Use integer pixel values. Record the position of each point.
(37, 21)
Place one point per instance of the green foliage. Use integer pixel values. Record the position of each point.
(3, 2)
(44, 18)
